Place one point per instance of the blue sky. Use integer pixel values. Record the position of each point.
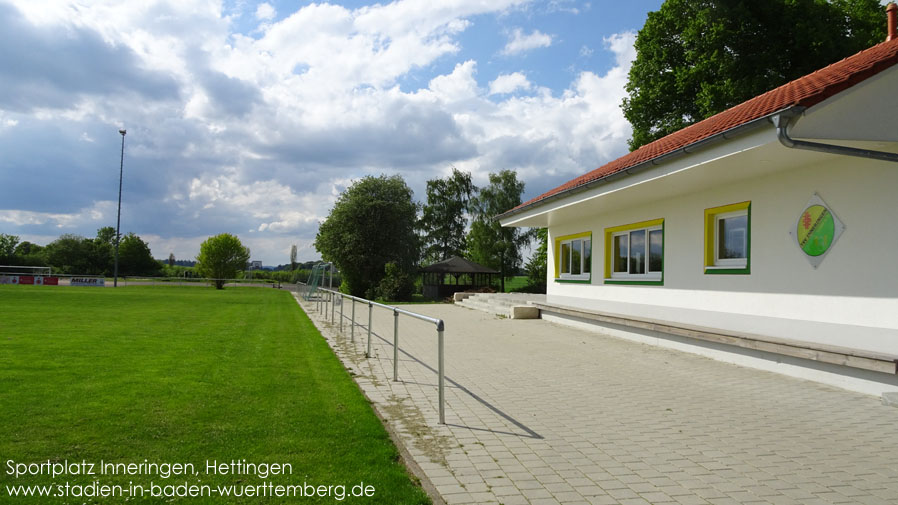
(251, 117)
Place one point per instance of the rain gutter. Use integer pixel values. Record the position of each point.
(782, 120)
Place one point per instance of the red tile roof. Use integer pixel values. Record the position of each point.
(805, 91)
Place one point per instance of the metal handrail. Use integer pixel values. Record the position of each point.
(440, 327)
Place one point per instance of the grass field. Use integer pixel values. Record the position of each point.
(515, 283)
(183, 375)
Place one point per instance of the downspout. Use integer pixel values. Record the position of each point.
(782, 121)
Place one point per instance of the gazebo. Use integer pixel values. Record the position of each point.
(465, 274)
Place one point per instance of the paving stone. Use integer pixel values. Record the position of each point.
(457, 498)
(533, 407)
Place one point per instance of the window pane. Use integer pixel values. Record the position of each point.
(731, 237)
(566, 258)
(637, 252)
(575, 257)
(620, 253)
(656, 250)
(587, 256)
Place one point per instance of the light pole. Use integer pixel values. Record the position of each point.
(118, 219)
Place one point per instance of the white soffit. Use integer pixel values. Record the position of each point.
(868, 111)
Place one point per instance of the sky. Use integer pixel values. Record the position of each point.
(252, 117)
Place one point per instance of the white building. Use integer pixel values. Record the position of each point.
(731, 239)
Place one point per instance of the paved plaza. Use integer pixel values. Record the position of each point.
(539, 413)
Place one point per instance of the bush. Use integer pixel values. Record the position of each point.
(396, 285)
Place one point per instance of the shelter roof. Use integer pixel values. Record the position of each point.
(458, 265)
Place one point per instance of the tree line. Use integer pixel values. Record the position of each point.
(221, 257)
(378, 236)
(75, 254)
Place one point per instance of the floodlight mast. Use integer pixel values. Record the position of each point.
(118, 219)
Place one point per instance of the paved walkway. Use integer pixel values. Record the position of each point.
(544, 414)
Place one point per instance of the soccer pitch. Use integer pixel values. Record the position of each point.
(210, 396)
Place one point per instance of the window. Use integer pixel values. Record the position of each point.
(635, 253)
(728, 239)
(573, 257)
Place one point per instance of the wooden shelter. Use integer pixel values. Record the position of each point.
(455, 274)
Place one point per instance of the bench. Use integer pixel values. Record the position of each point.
(866, 360)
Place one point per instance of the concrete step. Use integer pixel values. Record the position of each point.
(484, 307)
(505, 301)
(500, 304)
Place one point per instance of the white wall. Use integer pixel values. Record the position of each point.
(857, 283)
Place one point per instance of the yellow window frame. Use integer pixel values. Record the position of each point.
(609, 232)
(558, 240)
(710, 215)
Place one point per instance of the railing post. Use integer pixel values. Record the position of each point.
(395, 345)
(352, 322)
(370, 309)
(333, 305)
(442, 374)
(341, 312)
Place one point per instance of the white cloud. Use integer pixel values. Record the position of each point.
(265, 12)
(509, 83)
(458, 86)
(263, 133)
(96, 214)
(269, 205)
(520, 42)
(622, 45)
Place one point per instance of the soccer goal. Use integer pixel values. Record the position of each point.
(23, 270)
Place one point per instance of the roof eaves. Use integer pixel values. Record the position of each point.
(657, 160)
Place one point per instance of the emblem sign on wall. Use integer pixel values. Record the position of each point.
(816, 230)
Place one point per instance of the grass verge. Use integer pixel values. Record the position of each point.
(184, 375)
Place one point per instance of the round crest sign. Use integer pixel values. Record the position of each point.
(817, 230)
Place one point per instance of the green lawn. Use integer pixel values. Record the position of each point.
(183, 375)
(515, 283)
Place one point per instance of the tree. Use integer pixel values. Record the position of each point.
(372, 224)
(488, 242)
(26, 248)
(106, 235)
(103, 251)
(7, 247)
(538, 266)
(221, 257)
(74, 254)
(443, 222)
(697, 58)
(135, 257)
(29, 254)
(293, 257)
(171, 259)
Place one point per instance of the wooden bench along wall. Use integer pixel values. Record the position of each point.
(877, 362)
